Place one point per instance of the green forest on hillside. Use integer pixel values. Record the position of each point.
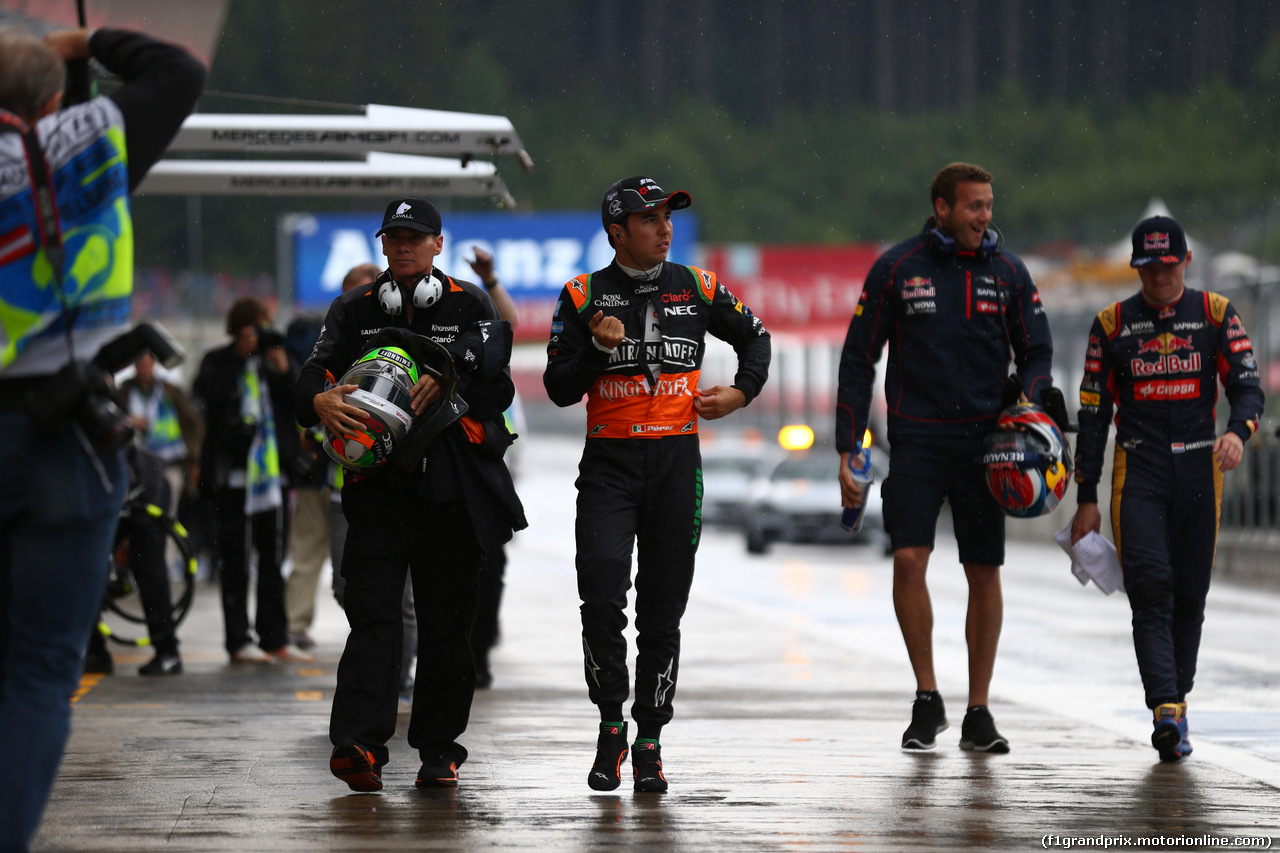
(812, 167)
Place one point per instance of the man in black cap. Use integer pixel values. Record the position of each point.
(434, 513)
(630, 337)
(1157, 358)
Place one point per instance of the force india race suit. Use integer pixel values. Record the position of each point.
(1159, 368)
(640, 477)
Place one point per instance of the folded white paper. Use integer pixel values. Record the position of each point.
(1093, 558)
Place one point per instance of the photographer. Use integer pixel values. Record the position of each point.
(434, 513)
(246, 391)
(66, 272)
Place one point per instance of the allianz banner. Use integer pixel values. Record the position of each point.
(534, 254)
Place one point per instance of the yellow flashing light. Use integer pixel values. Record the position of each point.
(795, 437)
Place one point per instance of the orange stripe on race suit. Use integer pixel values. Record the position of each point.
(706, 283)
(625, 406)
(580, 290)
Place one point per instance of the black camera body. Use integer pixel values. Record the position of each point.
(269, 338)
(81, 390)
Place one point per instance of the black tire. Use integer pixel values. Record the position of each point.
(123, 619)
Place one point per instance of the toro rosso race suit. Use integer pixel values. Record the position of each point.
(1158, 368)
(948, 359)
(640, 477)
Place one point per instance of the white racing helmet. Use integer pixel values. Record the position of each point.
(385, 376)
(1028, 467)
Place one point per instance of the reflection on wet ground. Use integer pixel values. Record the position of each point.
(793, 696)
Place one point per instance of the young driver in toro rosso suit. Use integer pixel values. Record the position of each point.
(1156, 359)
(631, 338)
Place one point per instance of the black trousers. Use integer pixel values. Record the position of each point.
(1164, 512)
(645, 493)
(147, 559)
(266, 532)
(391, 530)
(487, 628)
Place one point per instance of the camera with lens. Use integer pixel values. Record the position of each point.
(81, 390)
(268, 338)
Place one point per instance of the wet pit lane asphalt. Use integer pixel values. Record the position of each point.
(794, 691)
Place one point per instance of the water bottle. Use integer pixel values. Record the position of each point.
(851, 519)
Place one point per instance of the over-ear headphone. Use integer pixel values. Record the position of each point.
(992, 241)
(426, 292)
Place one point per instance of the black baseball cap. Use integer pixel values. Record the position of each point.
(636, 194)
(1158, 240)
(416, 214)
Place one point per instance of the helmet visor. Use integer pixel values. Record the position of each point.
(382, 386)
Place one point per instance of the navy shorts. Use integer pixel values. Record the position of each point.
(921, 476)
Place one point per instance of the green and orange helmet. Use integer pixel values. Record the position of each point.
(385, 376)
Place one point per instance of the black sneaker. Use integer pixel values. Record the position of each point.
(356, 766)
(96, 658)
(437, 771)
(928, 718)
(978, 732)
(611, 751)
(646, 764)
(162, 665)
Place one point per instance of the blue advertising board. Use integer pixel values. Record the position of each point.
(534, 254)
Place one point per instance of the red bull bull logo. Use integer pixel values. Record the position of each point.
(1166, 343)
(1166, 346)
(918, 288)
(1155, 241)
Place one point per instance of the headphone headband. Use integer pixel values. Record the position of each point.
(939, 239)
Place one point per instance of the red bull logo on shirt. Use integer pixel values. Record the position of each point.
(1165, 345)
(917, 288)
(1166, 365)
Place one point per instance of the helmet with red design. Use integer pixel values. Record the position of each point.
(1027, 461)
(385, 376)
